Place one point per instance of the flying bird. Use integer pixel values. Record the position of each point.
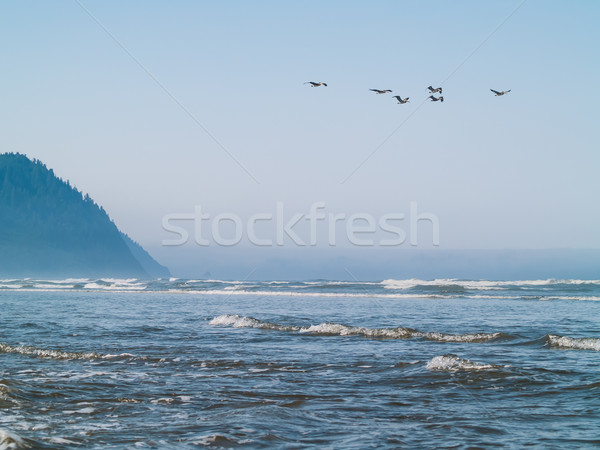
(380, 91)
(401, 100)
(433, 91)
(435, 99)
(315, 84)
(498, 94)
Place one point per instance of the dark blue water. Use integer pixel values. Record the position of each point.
(168, 364)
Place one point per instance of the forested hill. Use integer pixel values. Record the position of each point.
(49, 229)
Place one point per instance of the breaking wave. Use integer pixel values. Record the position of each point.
(446, 288)
(336, 329)
(481, 284)
(9, 440)
(57, 354)
(574, 343)
(452, 363)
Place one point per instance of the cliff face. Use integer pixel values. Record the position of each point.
(49, 229)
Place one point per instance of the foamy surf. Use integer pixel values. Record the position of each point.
(574, 343)
(337, 329)
(10, 440)
(219, 441)
(292, 360)
(266, 293)
(237, 321)
(452, 363)
(444, 288)
(481, 284)
(57, 354)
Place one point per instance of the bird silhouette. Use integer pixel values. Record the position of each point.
(499, 93)
(436, 99)
(381, 91)
(316, 84)
(433, 91)
(401, 100)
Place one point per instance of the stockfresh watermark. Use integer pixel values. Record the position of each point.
(316, 226)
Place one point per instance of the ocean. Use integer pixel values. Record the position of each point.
(112, 363)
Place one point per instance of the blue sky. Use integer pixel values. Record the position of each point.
(518, 171)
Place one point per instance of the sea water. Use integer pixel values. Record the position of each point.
(112, 363)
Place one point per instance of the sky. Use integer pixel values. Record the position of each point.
(158, 108)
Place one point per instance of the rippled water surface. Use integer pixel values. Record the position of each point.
(184, 363)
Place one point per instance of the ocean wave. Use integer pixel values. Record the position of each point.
(336, 329)
(452, 363)
(303, 294)
(472, 337)
(446, 288)
(47, 353)
(438, 283)
(574, 343)
(570, 297)
(61, 441)
(59, 354)
(56, 286)
(118, 280)
(10, 440)
(218, 440)
(221, 281)
(117, 285)
(480, 284)
(73, 281)
(237, 321)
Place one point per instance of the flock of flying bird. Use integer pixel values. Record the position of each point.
(401, 100)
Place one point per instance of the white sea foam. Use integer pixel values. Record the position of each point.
(474, 337)
(58, 354)
(344, 330)
(336, 329)
(53, 286)
(87, 410)
(447, 288)
(571, 297)
(46, 353)
(574, 343)
(117, 286)
(120, 355)
(304, 294)
(10, 440)
(223, 281)
(480, 284)
(118, 280)
(218, 440)
(452, 363)
(74, 280)
(61, 441)
(236, 321)
(163, 400)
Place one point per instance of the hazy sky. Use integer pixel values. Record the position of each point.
(518, 171)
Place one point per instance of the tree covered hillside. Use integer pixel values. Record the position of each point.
(48, 228)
